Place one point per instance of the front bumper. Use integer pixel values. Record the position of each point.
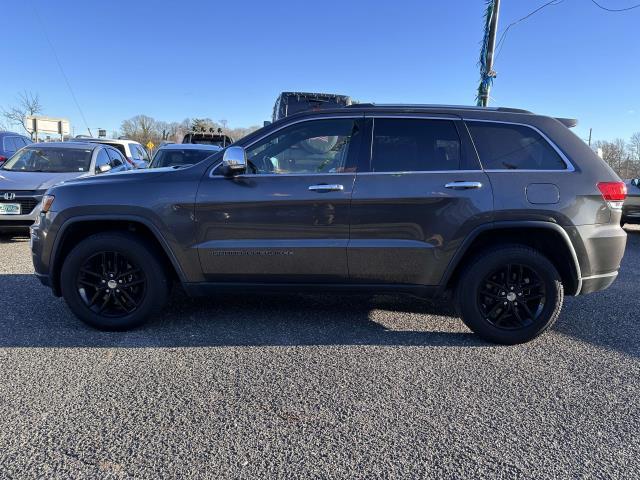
(44, 279)
(41, 242)
(19, 222)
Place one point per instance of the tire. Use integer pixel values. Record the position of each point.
(484, 289)
(131, 268)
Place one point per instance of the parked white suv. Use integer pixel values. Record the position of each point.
(134, 152)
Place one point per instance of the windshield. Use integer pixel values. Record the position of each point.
(54, 160)
(175, 157)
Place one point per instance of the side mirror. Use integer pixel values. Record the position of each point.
(103, 168)
(234, 161)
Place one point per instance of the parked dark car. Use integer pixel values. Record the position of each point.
(631, 207)
(290, 103)
(10, 143)
(211, 137)
(181, 154)
(27, 175)
(500, 210)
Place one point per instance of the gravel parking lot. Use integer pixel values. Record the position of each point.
(315, 387)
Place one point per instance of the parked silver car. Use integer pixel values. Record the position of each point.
(27, 175)
(631, 207)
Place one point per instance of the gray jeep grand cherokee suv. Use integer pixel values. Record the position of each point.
(507, 210)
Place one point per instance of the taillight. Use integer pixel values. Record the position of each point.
(2, 159)
(614, 193)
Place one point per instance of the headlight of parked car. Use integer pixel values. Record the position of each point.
(47, 201)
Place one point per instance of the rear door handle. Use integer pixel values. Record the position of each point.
(326, 187)
(463, 185)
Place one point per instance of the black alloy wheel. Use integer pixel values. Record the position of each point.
(512, 297)
(115, 280)
(509, 294)
(111, 285)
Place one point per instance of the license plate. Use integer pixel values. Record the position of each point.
(9, 209)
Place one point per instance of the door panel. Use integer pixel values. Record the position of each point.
(288, 219)
(258, 228)
(407, 225)
(405, 228)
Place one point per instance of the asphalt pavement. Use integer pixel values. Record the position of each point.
(250, 386)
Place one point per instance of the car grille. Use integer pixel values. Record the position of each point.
(27, 199)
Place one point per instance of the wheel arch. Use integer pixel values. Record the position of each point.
(78, 228)
(548, 238)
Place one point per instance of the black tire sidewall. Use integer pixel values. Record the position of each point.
(470, 281)
(132, 248)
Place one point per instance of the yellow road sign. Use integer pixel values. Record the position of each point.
(150, 145)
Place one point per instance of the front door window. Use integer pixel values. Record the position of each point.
(313, 147)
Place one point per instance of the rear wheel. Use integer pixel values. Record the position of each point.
(510, 295)
(113, 282)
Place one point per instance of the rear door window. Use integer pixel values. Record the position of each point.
(414, 145)
(505, 146)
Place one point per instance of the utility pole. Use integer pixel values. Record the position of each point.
(486, 55)
(590, 129)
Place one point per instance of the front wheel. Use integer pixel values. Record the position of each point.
(510, 295)
(112, 281)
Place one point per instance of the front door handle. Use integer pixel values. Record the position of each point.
(323, 187)
(463, 185)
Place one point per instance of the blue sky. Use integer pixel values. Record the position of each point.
(229, 60)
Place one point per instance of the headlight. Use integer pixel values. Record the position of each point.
(47, 201)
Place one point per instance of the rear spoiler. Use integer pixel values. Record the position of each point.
(568, 122)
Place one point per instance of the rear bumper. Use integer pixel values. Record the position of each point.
(599, 249)
(597, 282)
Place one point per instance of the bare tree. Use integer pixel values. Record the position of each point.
(634, 154)
(28, 104)
(141, 128)
(238, 133)
(169, 131)
(203, 125)
(615, 153)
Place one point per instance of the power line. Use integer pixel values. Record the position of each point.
(57, 59)
(614, 9)
(506, 30)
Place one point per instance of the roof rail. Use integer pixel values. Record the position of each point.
(512, 110)
(443, 107)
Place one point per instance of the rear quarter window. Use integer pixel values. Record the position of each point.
(504, 146)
